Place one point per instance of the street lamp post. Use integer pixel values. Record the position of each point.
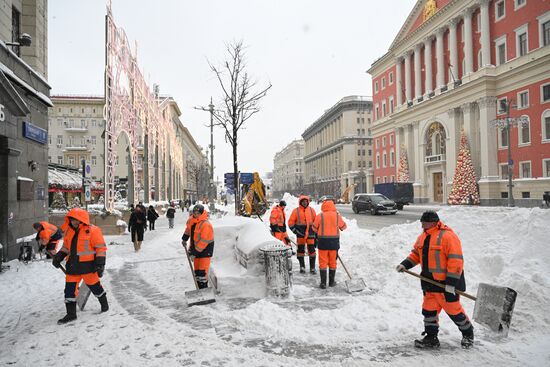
(211, 187)
(507, 123)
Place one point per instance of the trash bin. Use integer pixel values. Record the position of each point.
(278, 269)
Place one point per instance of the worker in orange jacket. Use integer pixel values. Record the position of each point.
(327, 226)
(439, 253)
(85, 250)
(277, 223)
(47, 236)
(201, 233)
(301, 224)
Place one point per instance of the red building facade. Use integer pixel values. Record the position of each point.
(455, 65)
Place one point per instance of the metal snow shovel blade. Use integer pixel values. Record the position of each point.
(202, 296)
(494, 305)
(83, 292)
(353, 284)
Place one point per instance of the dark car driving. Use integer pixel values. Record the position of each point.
(374, 203)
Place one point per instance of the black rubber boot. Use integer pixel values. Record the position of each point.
(203, 285)
(331, 275)
(71, 313)
(323, 273)
(467, 340)
(312, 265)
(430, 341)
(103, 302)
(302, 264)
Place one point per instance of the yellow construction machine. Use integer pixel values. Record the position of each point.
(345, 195)
(253, 197)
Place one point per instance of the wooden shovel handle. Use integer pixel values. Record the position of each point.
(344, 266)
(438, 284)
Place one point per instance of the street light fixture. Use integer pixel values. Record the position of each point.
(24, 40)
(507, 123)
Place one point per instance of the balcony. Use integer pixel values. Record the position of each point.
(72, 129)
(76, 148)
(434, 159)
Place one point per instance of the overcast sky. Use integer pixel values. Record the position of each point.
(314, 52)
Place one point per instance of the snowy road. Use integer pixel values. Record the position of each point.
(149, 323)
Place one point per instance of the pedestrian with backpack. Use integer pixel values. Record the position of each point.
(152, 216)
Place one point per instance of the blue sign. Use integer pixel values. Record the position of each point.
(511, 162)
(35, 133)
(247, 178)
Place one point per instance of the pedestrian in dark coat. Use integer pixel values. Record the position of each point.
(138, 223)
(152, 216)
(170, 214)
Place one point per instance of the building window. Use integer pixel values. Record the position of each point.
(377, 180)
(478, 22)
(500, 10)
(502, 105)
(93, 139)
(376, 87)
(479, 59)
(391, 104)
(377, 160)
(59, 159)
(544, 29)
(504, 195)
(384, 112)
(523, 99)
(525, 194)
(363, 152)
(391, 139)
(545, 93)
(358, 151)
(519, 4)
(59, 140)
(370, 153)
(383, 83)
(49, 139)
(71, 161)
(546, 167)
(384, 142)
(545, 121)
(15, 29)
(503, 138)
(500, 50)
(521, 41)
(503, 171)
(525, 169)
(391, 78)
(94, 160)
(524, 132)
(384, 160)
(392, 158)
(49, 159)
(392, 178)
(385, 179)
(377, 113)
(377, 143)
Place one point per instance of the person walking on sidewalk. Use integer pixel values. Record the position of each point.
(439, 253)
(327, 226)
(300, 223)
(201, 233)
(277, 222)
(47, 237)
(137, 224)
(170, 214)
(152, 216)
(85, 250)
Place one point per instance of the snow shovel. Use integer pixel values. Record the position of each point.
(353, 285)
(199, 296)
(83, 292)
(494, 305)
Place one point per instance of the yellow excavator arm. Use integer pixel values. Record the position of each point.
(345, 194)
(254, 201)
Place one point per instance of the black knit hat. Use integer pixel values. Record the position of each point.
(282, 203)
(429, 216)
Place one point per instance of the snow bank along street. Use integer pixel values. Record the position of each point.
(149, 323)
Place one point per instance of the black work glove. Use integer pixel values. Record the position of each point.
(58, 258)
(100, 269)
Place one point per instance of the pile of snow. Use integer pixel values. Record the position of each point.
(149, 323)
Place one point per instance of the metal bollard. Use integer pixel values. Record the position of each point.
(278, 269)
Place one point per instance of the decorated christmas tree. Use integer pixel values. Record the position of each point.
(118, 196)
(58, 201)
(464, 190)
(403, 169)
(101, 200)
(76, 202)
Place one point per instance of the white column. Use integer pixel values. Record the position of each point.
(418, 153)
(399, 87)
(485, 38)
(453, 52)
(472, 134)
(488, 135)
(468, 44)
(440, 79)
(417, 72)
(408, 76)
(428, 64)
(451, 143)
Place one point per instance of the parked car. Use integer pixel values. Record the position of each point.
(325, 197)
(374, 203)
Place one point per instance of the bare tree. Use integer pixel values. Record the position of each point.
(196, 174)
(241, 97)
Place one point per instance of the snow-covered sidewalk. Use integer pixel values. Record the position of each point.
(149, 323)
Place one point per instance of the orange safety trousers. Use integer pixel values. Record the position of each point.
(202, 264)
(281, 236)
(327, 258)
(305, 241)
(432, 305)
(72, 281)
(434, 301)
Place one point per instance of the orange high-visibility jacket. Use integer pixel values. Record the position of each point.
(201, 233)
(86, 247)
(301, 220)
(328, 225)
(445, 262)
(277, 219)
(47, 232)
